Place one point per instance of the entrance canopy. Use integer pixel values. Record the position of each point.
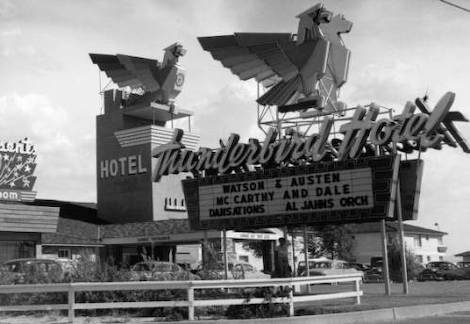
(171, 232)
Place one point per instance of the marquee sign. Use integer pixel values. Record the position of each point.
(17, 165)
(353, 191)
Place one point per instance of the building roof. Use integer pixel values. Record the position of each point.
(20, 217)
(83, 211)
(463, 254)
(70, 231)
(393, 227)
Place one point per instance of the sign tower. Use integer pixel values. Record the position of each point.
(132, 125)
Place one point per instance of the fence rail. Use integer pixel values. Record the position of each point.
(189, 286)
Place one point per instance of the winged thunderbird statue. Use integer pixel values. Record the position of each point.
(301, 71)
(160, 82)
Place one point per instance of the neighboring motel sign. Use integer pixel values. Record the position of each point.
(17, 165)
(336, 191)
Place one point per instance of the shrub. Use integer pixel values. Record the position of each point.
(88, 271)
(395, 264)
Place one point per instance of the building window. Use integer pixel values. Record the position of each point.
(428, 258)
(64, 253)
(439, 240)
(441, 258)
(417, 241)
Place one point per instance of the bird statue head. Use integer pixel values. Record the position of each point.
(309, 22)
(173, 53)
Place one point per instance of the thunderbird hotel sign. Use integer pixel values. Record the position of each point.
(349, 189)
(17, 165)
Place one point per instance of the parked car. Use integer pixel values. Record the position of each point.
(247, 271)
(311, 265)
(323, 267)
(443, 270)
(358, 266)
(373, 275)
(214, 271)
(148, 270)
(240, 270)
(39, 270)
(462, 264)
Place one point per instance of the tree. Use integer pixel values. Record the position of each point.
(335, 241)
(315, 246)
(394, 260)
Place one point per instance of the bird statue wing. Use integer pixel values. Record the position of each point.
(254, 55)
(124, 70)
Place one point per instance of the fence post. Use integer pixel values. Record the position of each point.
(291, 301)
(358, 297)
(71, 302)
(191, 303)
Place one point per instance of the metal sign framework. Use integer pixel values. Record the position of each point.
(307, 122)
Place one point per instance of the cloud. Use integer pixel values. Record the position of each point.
(11, 32)
(65, 162)
(18, 54)
(7, 9)
(231, 110)
(389, 83)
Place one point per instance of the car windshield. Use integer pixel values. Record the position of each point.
(320, 265)
(441, 265)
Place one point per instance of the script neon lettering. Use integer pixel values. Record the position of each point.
(411, 131)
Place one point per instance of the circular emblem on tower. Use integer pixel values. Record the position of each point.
(179, 79)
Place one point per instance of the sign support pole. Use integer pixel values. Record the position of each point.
(385, 271)
(307, 267)
(272, 247)
(402, 242)
(204, 249)
(401, 236)
(225, 253)
(293, 253)
(390, 213)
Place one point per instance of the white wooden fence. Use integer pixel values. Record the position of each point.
(189, 286)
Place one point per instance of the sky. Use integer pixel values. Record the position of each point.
(49, 89)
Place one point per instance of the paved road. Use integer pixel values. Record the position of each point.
(452, 318)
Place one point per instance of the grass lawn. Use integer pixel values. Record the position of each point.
(430, 292)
